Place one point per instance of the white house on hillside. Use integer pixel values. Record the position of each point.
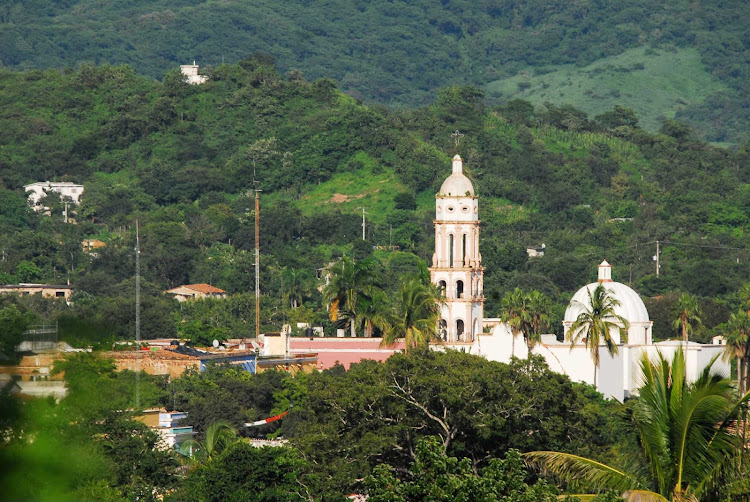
(191, 72)
(35, 192)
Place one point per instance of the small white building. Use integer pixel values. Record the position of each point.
(66, 190)
(191, 72)
(166, 424)
(536, 251)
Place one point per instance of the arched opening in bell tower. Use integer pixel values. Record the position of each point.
(450, 246)
(442, 285)
(443, 330)
(459, 330)
(463, 251)
(459, 289)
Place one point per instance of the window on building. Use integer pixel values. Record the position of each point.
(459, 330)
(463, 251)
(442, 285)
(59, 294)
(443, 329)
(459, 289)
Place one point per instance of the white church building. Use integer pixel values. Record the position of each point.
(457, 270)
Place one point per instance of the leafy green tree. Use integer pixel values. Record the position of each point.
(348, 422)
(688, 313)
(619, 116)
(414, 315)
(202, 332)
(225, 393)
(245, 473)
(596, 322)
(13, 323)
(435, 476)
(684, 430)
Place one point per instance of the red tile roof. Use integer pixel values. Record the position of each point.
(204, 288)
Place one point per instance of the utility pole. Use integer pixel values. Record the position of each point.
(363, 221)
(257, 260)
(656, 258)
(137, 316)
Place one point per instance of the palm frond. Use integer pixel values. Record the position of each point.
(594, 474)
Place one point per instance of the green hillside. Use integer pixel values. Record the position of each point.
(399, 53)
(182, 160)
(656, 84)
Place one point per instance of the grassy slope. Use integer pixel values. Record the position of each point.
(656, 84)
(370, 186)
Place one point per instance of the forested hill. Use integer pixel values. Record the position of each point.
(182, 159)
(662, 58)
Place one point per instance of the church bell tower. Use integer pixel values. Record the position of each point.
(456, 264)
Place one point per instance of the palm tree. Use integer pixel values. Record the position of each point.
(373, 311)
(414, 315)
(685, 438)
(688, 313)
(596, 322)
(512, 312)
(219, 435)
(738, 345)
(536, 318)
(350, 282)
(296, 285)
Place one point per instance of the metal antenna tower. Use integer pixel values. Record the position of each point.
(257, 254)
(137, 316)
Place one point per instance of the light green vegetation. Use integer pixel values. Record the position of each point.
(370, 187)
(654, 83)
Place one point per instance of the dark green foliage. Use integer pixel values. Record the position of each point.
(13, 323)
(435, 476)
(227, 393)
(243, 473)
(389, 52)
(87, 447)
(351, 421)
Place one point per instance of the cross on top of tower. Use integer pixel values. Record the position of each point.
(457, 139)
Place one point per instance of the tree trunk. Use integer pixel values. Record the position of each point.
(740, 377)
(595, 368)
(353, 329)
(684, 332)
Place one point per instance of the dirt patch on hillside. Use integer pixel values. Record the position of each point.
(339, 198)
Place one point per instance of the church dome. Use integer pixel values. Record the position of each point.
(631, 306)
(457, 184)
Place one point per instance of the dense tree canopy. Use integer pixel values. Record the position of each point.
(401, 52)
